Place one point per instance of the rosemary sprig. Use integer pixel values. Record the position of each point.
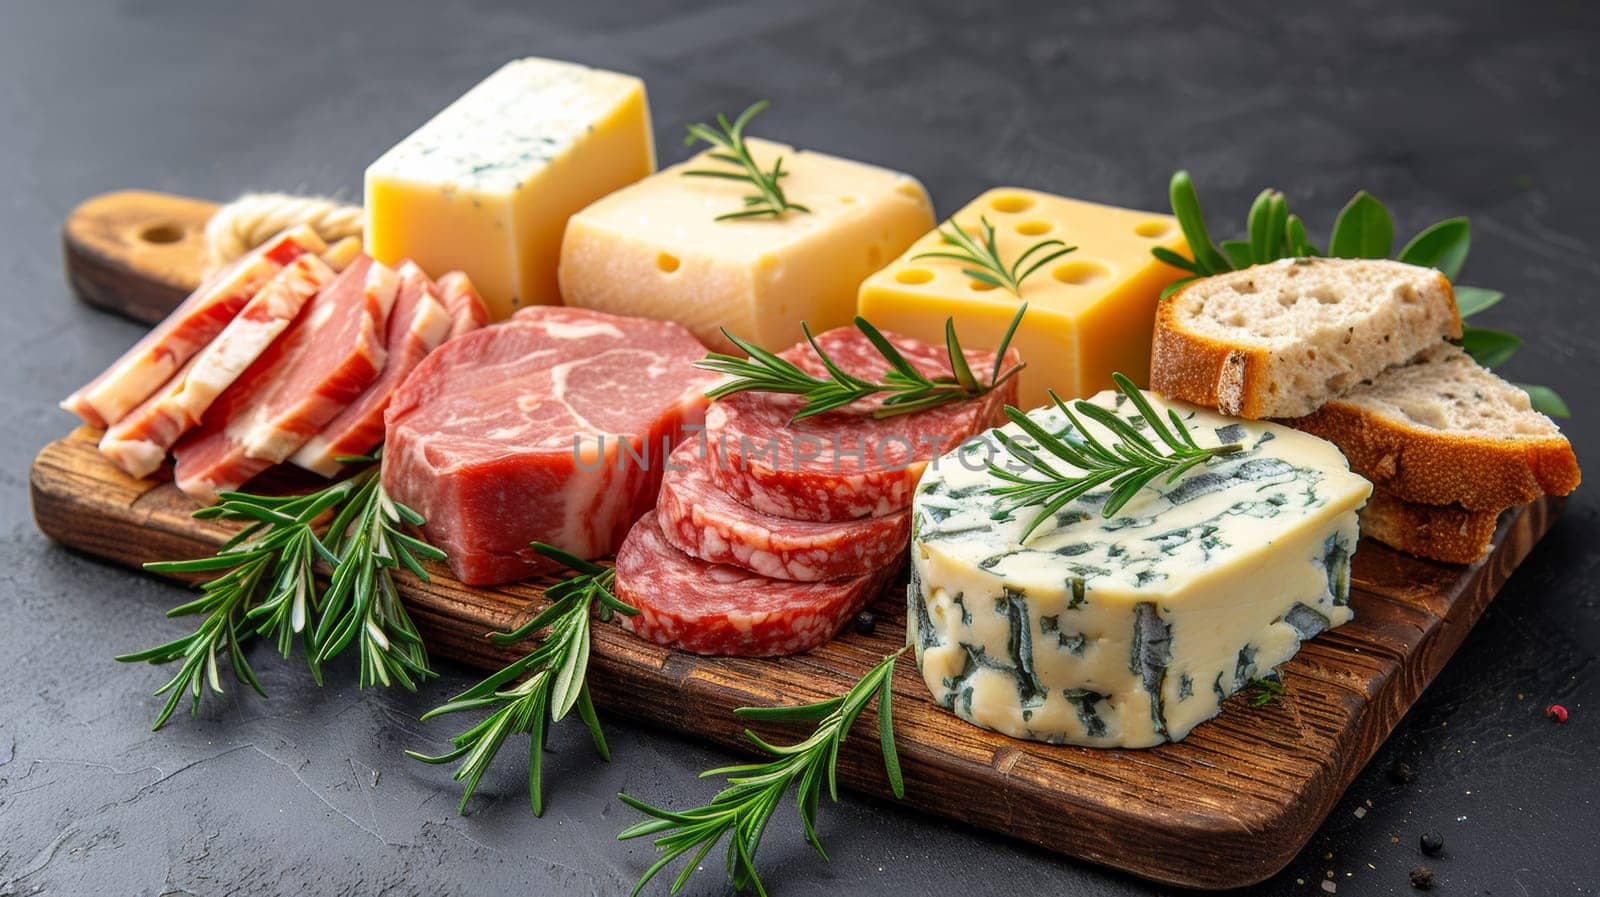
(984, 256)
(558, 680)
(1267, 691)
(361, 601)
(1364, 229)
(1128, 464)
(754, 790)
(727, 142)
(906, 389)
(267, 586)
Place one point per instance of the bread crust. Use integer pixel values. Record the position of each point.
(1204, 371)
(1446, 533)
(1236, 379)
(1429, 467)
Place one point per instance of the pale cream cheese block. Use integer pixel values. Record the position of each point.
(487, 185)
(655, 249)
(1128, 631)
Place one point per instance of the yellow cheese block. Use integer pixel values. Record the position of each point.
(487, 185)
(655, 249)
(1090, 312)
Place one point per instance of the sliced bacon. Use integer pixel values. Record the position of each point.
(154, 359)
(328, 356)
(418, 324)
(467, 311)
(138, 443)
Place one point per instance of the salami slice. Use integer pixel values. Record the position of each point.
(691, 605)
(704, 522)
(845, 464)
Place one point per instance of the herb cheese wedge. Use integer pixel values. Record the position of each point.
(1127, 630)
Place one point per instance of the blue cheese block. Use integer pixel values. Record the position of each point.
(1132, 630)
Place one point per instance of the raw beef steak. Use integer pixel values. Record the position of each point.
(154, 359)
(551, 426)
(691, 605)
(328, 356)
(844, 464)
(702, 521)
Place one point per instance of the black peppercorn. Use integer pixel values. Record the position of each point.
(1422, 878)
(1432, 843)
(1400, 772)
(866, 622)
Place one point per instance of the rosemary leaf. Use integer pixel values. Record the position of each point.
(266, 585)
(982, 256)
(1127, 464)
(361, 601)
(741, 811)
(556, 683)
(769, 200)
(1267, 690)
(903, 388)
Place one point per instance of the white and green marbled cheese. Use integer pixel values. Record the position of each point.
(1129, 631)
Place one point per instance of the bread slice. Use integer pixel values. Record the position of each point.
(1278, 340)
(1444, 431)
(1448, 533)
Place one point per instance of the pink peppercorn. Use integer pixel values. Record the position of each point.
(1556, 712)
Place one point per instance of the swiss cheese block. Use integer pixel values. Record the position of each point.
(487, 185)
(1090, 312)
(1128, 631)
(655, 249)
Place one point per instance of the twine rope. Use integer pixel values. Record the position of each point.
(254, 218)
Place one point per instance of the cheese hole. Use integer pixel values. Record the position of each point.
(847, 199)
(667, 262)
(161, 233)
(1080, 273)
(978, 286)
(1034, 228)
(913, 276)
(1153, 229)
(1011, 203)
(911, 190)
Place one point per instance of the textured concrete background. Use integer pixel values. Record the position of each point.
(1485, 109)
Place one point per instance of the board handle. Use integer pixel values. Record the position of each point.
(136, 253)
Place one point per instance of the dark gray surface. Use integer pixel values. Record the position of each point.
(1485, 109)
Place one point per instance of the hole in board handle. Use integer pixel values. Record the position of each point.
(161, 234)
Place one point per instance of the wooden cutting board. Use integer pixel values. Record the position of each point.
(1228, 806)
